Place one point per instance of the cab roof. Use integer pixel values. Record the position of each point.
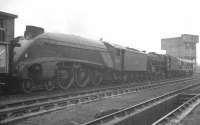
(7, 15)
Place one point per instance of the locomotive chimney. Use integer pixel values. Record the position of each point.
(32, 31)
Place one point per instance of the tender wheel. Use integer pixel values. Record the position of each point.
(27, 86)
(97, 78)
(125, 78)
(82, 77)
(137, 78)
(115, 76)
(49, 85)
(67, 79)
(132, 77)
(129, 78)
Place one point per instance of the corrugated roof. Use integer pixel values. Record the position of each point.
(8, 15)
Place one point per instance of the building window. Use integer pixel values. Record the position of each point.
(2, 31)
(189, 46)
(3, 59)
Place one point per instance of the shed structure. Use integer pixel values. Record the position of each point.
(7, 25)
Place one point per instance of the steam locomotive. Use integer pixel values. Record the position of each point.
(51, 60)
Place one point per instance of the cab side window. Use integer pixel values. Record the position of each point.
(2, 31)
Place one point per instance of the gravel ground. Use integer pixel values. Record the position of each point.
(5, 99)
(83, 113)
(195, 90)
(194, 117)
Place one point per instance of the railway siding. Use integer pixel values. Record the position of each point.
(79, 114)
(144, 113)
(38, 107)
(179, 113)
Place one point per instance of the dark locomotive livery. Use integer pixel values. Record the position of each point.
(50, 60)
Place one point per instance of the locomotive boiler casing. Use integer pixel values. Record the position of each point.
(157, 65)
(156, 62)
(39, 57)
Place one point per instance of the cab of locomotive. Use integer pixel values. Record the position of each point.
(117, 54)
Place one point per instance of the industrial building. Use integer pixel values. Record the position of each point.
(7, 24)
(183, 47)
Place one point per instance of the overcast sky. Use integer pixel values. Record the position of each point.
(135, 23)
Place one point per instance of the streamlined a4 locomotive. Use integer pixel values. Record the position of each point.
(51, 60)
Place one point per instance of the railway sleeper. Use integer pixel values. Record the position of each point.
(149, 110)
(69, 102)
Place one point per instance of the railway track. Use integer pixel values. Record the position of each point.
(177, 115)
(72, 92)
(4, 99)
(20, 99)
(24, 109)
(124, 116)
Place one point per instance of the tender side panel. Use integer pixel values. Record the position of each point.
(135, 61)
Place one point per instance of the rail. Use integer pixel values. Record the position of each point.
(109, 119)
(38, 107)
(178, 114)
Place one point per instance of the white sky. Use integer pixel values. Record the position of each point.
(135, 23)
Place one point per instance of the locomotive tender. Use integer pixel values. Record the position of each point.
(51, 60)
